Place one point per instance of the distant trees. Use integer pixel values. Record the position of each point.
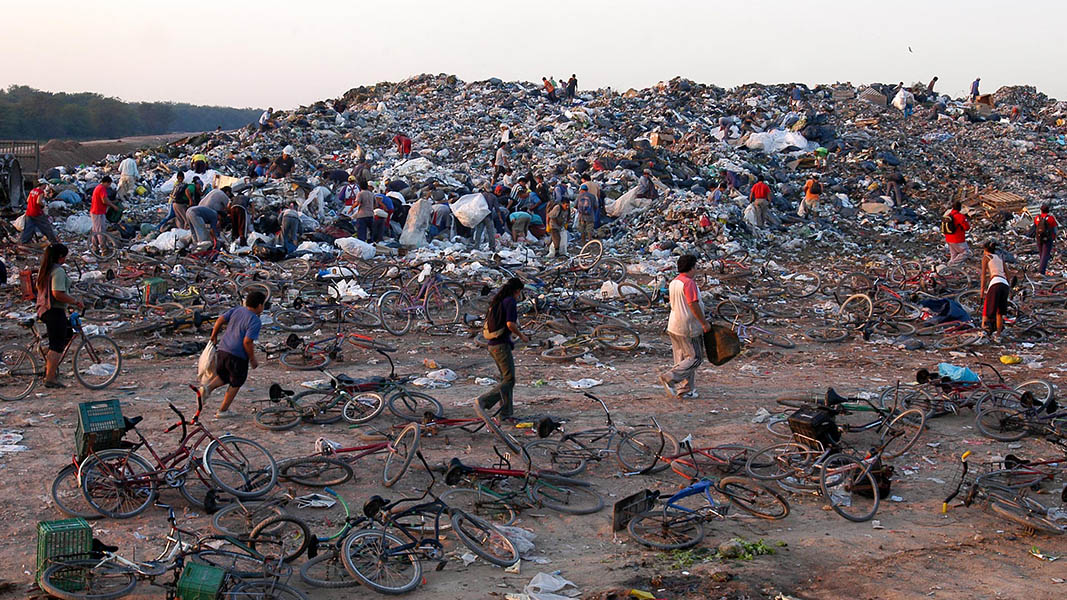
(28, 113)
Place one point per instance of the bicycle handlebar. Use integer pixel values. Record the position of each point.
(181, 421)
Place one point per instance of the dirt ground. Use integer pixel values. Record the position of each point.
(56, 153)
(915, 553)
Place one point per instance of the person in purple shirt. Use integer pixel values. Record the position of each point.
(236, 350)
(974, 89)
(502, 320)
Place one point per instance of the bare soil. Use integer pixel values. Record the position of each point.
(69, 153)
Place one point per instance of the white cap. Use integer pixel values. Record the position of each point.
(289, 150)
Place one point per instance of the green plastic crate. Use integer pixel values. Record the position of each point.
(200, 582)
(100, 426)
(68, 538)
(152, 289)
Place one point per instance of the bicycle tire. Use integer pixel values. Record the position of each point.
(441, 306)
(286, 537)
(634, 295)
(302, 361)
(480, 503)
(238, 519)
(907, 427)
(753, 497)
(321, 407)
(68, 497)
(775, 339)
(959, 340)
(612, 269)
(735, 311)
(316, 471)
(491, 425)
(803, 284)
(363, 408)
(614, 337)
(779, 428)
(401, 452)
(839, 479)
(108, 357)
(666, 529)
(796, 401)
(327, 571)
(197, 485)
(368, 550)
(291, 319)
(116, 580)
(18, 373)
(565, 352)
(394, 311)
(1011, 479)
(563, 456)
(852, 284)
(568, 499)
(484, 539)
(278, 418)
(640, 449)
(1002, 424)
(1042, 390)
(256, 480)
(779, 461)
(414, 406)
(856, 309)
(590, 254)
(1027, 518)
(131, 487)
(954, 279)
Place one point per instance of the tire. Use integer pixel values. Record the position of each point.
(278, 418)
(640, 450)
(1042, 390)
(365, 554)
(565, 353)
(775, 339)
(116, 484)
(569, 499)
(954, 279)
(1027, 518)
(295, 320)
(316, 471)
(441, 306)
(887, 306)
(285, 537)
(263, 589)
(18, 373)
(491, 425)
(779, 461)
(564, 456)
(590, 254)
(839, 479)
(1011, 479)
(363, 408)
(198, 484)
(481, 504)
(779, 428)
(735, 311)
(257, 475)
(321, 407)
(753, 497)
(240, 518)
(293, 269)
(1003, 424)
(614, 337)
(902, 433)
(394, 311)
(401, 452)
(666, 529)
(237, 564)
(484, 539)
(827, 335)
(959, 340)
(797, 401)
(102, 582)
(108, 362)
(327, 571)
(856, 309)
(68, 497)
(301, 361)
(634, 295)
(611, 269)
(414, 406)
(852, 284)
(803, 284)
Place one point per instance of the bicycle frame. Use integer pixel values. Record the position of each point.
(703, 487)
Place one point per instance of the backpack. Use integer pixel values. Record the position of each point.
(586, 205)
(816, 188)
(948, 224)
(1042, 230)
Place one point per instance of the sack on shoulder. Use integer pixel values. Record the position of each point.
(721, 345)
(490, 334)
(948, 224)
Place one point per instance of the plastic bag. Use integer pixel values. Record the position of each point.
(355, 247)
(958, 374)
(470, 209)
(78, 224)
(20, 223)
(205, 368)
(414, 234)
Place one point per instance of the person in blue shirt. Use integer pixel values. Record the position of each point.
(236, 350)
(974, 89)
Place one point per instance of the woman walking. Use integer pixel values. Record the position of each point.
(502, 320)
(53, 297)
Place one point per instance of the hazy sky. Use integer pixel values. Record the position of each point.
(287, 53)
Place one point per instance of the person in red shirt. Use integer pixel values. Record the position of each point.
(760, 196)
(36, 221)
(957, 238)
(403, 145)
(1045, 227)
(98, 212)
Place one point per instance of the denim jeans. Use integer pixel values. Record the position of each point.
(364, 226)
(1045, 251)
(502, 392)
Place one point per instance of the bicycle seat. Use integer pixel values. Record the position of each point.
(130, 423)
(833, 398)
(922, 376)
(455, 472)
(276, 392)
(293, 341)
(27, 323)
(99, 548)
(375, 505)
(546, 425)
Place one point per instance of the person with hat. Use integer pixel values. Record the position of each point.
(812, 190)
(283, 165)
(347, 195)
(36, 221)
(98, 208)
(586, 205)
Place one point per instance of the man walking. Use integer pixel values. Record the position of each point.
(974, 89)
(1045, 227)
(36, 221)
(685, 327)
(586, 204)
(98, 207)
(500, 161)
(572, 87)
(236, 351)
(502, 320)
(128, 175)
(954, 226)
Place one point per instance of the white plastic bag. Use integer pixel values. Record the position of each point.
(414, 234)
(20, 223)
(470, 209)
(205, 368)
(80, 224)
(355, 247)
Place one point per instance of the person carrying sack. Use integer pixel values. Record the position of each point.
(686, 327)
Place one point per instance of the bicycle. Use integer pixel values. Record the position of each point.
(327, 570)
(324, 468)
(121, 484)
(316, 354)
(97, 361)
(608, 336)
(1008, 424)
(433, 301)
(1007, 502)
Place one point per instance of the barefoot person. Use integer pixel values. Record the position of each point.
(686, 327)
(502, 320)
(236, 350)
(53, 296)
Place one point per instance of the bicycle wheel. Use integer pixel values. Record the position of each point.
(1003, 424)
(68, 497)
(116, 483)
(303, 360)
(902, 432)
(953, 279)
(856, 309)
(1027, 517)
(441, 306)
(295, 320)
(18, 373)
(363, 408)
(640, 450)
(773, 338)
(611, 269)
(590, 254)
(87, 579)
(848, 485)
(569, 499)
(240, 518)
(241, 467)
(321, 407)
(615, 337)
(735, 311)
(634, 295)
(401, 452)
(803, 284)
(827, 335)
(395, 310)
(780, 461)
(370, 556)
(779, 428)
(852, 284)
(481, 503)
(197, 485)
(1011, 479)
(753, 497)
(316, 471)
(263, 589)
(564, 456)
(491, 425)
(731, 458)
(97, 362)
(327, 571)
(484, 539)
(1041, 390)
(666, 529)
(959, 340)
(565, 352)
(415, 406)
(285, 537)
(278, 418)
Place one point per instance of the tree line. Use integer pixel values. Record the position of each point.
(28, 113)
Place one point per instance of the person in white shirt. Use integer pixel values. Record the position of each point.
(686, 327)
(994, 284)
(128, 175)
